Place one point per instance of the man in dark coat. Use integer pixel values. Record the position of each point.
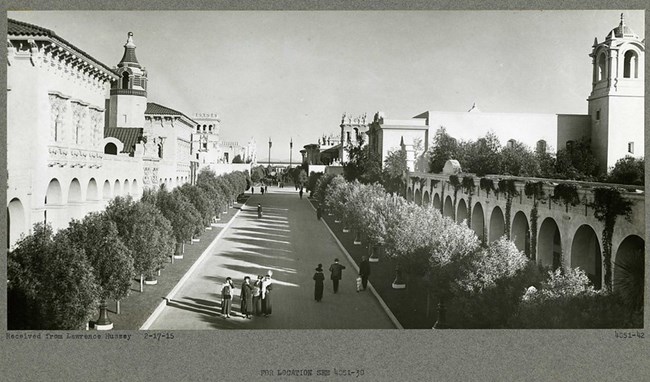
(246, 298)
(300, 193)
(337, 270)
(319, 278)
(364, 271)
(259, 210)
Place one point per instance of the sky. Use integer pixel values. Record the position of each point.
(292, 74)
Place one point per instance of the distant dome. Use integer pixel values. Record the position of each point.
(451, 167)
(622, 31)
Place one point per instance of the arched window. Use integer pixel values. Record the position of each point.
(510, 144)
(125, 80)
(541, 146)
(110, 149)
(198, 127)
(210, 128)
(602, 67)
(630, 65)
(203, 127)
(160, 151)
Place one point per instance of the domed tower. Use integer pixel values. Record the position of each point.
(128, 94)
(616, 101)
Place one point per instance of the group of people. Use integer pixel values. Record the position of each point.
(255, 298)
(336, 274)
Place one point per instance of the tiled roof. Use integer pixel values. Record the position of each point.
(127, 135)
(157, 109)
(20, 28)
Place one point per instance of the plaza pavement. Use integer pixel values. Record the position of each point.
(291, 242)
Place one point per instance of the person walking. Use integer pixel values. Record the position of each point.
(319, 213)
(257, 296)
(252, 190)
(300, 193)
(226, 297)
(336, 270)
(246, 298)
(259, 211)
(267, 286)
(319, 277)
(364, 271)
(266, 188)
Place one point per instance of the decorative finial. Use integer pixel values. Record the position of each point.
(129, 41)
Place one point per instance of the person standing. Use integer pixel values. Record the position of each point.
(246, 297)
(336, 270)
(300, 193)
(259, 211)
(266, 188)
(252, 190)
(226, 297)
(257, 296)
(267, 286)
(262, 190)
(364, 271)
(319, 278)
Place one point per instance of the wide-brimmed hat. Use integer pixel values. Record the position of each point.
(319, 268)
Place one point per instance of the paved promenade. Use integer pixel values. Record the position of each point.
(290, 241)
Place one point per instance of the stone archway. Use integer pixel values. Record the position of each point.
(117, 188)
(448, 210)
(436, 202)
(586, 255)
(549, 244)
(520, 233)
(107, 194)
(629, 270)
(497, 224)
(478, 221)
(75, 200)
(461, 211)
(135, 188)
(127, 187)
(54, 205)
(418, 197)
(15, 221)
(426, 200)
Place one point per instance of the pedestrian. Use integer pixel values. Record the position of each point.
(337, 271)
(267, 286)
(364, 271)
(252, 190)
(257, 296)
(266, 188)
(300, 193)
(246, 297)
(259, 211)
(319, 213)
(226, 297)
(262, 190)
(319, 277)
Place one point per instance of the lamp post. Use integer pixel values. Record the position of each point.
(290, 152)
(270, 143)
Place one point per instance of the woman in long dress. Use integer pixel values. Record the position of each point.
(319, 277)
(257, 296)
(246, 297)
(267, 286)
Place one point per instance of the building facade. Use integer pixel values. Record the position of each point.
(614, 123)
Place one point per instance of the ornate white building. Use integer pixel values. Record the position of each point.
(614, 122)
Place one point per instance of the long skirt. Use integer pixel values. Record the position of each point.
(318, 291)
(266, 304)
(257, 305)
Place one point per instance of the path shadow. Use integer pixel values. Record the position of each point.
(268, 231)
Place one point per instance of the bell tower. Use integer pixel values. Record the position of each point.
(616, 102)
(129, 93)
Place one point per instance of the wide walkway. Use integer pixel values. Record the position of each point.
(290, 241)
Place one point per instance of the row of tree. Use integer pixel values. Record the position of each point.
(492, 285)
(57, 280)
(486, 155)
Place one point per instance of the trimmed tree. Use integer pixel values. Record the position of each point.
(111, 260)
(51, 283)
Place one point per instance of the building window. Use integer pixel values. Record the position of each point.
(110, 149)
(125, 80)
(598, 115)
(630, 147)
(602, 66)
(630, 65)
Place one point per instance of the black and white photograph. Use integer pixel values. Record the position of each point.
(230, 173)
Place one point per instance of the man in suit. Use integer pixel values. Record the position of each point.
(336, 269)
